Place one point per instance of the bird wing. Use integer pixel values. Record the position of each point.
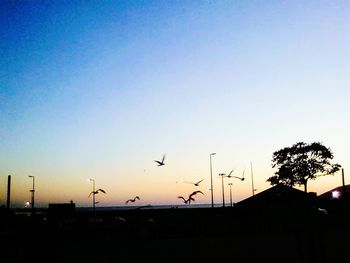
(181, 197)
(136, 197)
(101, 190)
(127, 201)
(163, 158)
(158, 162)
(195, 192)
(91, 194)
(199, 181)
(230, 173)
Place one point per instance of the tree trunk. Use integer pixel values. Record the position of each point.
(305, 186)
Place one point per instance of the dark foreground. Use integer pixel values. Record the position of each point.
(176, 235)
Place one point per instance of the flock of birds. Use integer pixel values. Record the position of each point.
(187, 200)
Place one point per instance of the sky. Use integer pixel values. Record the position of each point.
(101, 89)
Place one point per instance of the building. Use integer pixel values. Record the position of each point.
(62, 209)
(278, 199)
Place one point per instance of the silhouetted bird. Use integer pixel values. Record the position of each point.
(97, 191)
(190, 197)
(183, 198)
(196, 184)
(186, 200)
(160, 163)
(195, 192)
(132, 200)
(233, 176)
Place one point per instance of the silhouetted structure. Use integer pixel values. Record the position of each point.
(336, 193)
(8, 201)
(33, 192)
(279, 198)
(62, 209)
(211, 181)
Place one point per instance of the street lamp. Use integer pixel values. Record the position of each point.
(211, 182)
(93, 193)
(32, 191)
(230, 184)
(222, 186)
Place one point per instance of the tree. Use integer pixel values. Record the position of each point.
(302, 162)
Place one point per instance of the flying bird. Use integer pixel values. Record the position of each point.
(183, 198)
(233, 176)
(190, 197)
(229, 175)
(186, 200)
(160, 163)
(195, 192)
(197, 183)
(132, 200)
(97, 191)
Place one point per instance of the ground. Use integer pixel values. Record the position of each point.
(175, 235)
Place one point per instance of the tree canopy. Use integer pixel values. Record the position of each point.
(302, 162)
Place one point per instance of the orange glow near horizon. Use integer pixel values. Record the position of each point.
(152, 189)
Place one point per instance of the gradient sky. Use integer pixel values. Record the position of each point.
(100, 89)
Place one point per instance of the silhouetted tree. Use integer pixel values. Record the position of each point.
(300, 163)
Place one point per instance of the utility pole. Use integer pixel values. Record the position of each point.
(8, 201)
(251, 173)
(230, 184)
(343, 179)
(93, 194)
(223, 188)
(211, 182)
(32, 191)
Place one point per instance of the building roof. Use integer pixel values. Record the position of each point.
(277, 196)
(336, 193)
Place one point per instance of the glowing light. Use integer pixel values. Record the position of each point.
(335, 194)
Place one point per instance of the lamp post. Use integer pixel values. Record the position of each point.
(211, 182)
(230, 184)
(93, 193)
(32, 191)
(223, 188)
(251, 173)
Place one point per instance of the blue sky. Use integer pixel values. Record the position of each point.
(102, 88)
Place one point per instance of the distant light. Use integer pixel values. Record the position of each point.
(27, 204)
(335, 194)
